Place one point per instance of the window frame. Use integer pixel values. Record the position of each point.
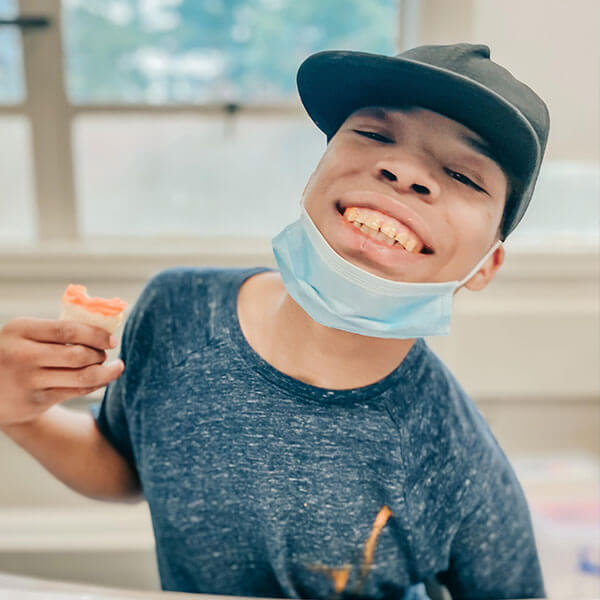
(51, 117)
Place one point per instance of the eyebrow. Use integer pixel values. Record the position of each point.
(376, 113)
(480, 146)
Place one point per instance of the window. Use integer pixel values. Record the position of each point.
(209, 51)
(181, 117)
(11, 63)
(16, 200)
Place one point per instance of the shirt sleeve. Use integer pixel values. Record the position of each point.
(113, 413)
(493, 553)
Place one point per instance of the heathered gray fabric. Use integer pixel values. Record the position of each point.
(261, 485)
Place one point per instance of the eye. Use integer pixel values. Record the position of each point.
(375, 136)
(463, 179)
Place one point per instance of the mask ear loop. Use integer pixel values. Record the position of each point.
(476, 268)
(460, 283)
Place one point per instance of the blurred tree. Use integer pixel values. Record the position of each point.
(210, 50)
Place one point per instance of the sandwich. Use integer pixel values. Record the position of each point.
(102, 312)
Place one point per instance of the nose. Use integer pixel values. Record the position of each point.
(408, 175)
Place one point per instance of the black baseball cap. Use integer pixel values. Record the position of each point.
(457, 80)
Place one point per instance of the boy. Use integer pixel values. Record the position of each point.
(292, 432)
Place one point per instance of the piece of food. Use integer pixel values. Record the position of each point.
(102, 312)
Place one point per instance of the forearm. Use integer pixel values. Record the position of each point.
(68, 444)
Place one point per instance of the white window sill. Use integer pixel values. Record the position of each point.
(138, 258)
(128, 259)
(108, 526)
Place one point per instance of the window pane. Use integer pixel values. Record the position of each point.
(202, 51)
(140, 175)
(564, 206)
(11, 62)
(17, 216)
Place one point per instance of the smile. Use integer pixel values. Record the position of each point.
(384, 228)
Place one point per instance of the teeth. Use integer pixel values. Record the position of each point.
(389, 230)
(380, 229)
(351, 214)
(402, 237)
(377, 235)
(372, 222)
(382, 237)
(410, 245)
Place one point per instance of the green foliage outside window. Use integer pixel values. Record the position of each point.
(243, 51)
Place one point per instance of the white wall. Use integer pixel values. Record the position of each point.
(552, 45)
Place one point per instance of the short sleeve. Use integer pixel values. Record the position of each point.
(111, 420)
(113, 414)
(493, 553)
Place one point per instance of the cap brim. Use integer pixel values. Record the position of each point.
(334, 83)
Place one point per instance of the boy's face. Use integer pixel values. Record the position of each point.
(413, 165)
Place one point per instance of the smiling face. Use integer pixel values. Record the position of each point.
(424, 179)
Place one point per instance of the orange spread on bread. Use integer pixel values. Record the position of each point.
(77, 294)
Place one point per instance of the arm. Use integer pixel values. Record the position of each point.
(44, 362)
(69, 445)
(91, 455)
(493, 554)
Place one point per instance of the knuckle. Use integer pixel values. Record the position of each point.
(11, 354)
(86, 377)
(103, 337)
(19, 354)
(77, 356)
(64, 332)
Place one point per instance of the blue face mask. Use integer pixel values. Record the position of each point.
(338, 294)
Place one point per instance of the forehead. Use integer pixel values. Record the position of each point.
(390, 116)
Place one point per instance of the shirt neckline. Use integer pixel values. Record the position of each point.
(405, 373)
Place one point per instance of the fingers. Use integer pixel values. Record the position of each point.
(74, 356)
(93, 376)
(56, 395)
(61, 332)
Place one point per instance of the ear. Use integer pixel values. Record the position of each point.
(486, 272)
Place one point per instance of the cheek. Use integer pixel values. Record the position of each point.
(465, 230)
(477, 218)
(492, 219)
(334, 174)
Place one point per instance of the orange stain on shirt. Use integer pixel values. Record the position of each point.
(380, 520)
(340, 575)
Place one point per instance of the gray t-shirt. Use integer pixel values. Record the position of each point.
(262, 485)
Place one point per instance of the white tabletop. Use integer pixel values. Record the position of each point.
(17, 587)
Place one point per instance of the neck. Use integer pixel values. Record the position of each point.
(340, 359)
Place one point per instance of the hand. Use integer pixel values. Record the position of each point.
(47, 361)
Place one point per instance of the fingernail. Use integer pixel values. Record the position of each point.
(115, 362)
(112, 341)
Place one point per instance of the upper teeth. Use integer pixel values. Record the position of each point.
(384, 228)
